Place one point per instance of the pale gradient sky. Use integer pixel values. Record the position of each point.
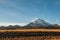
(23, 11)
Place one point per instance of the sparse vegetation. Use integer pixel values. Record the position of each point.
(30, 36)
(29, 33)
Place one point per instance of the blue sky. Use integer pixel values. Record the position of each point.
(23, 11)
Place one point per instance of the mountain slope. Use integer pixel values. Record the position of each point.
(38, 23)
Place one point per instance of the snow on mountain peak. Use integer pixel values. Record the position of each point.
(35, 19)
(39, 22)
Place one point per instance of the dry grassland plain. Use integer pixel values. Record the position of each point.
(31, 30)
(31, 37)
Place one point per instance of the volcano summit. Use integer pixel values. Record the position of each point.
(38, 23)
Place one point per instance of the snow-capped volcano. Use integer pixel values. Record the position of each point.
(38, 22)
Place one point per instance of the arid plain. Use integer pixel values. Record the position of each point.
(32, 37)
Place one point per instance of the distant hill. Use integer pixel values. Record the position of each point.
(10, 27)
(36, 23)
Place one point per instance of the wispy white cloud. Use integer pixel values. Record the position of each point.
(8, 11)
(9, 23)
(57, 3)
(39, 1)
(8, 3)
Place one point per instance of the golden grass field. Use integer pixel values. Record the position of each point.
(31, 30)
(31, 37)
